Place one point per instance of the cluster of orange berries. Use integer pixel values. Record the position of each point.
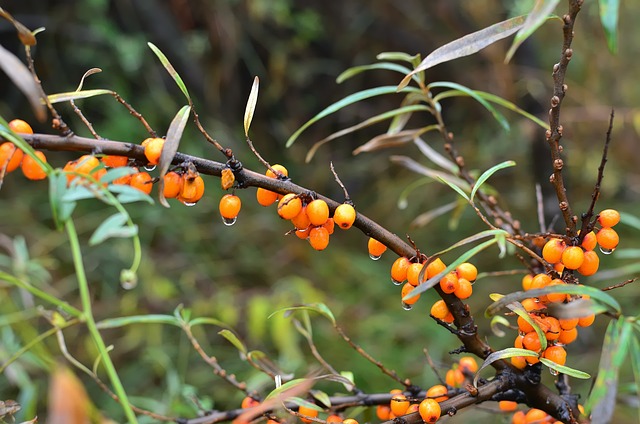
(532, 416)
(11, 157)
(310, 217)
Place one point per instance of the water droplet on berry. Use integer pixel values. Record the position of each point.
(229, 221)
(189, 203)
(374, 257)
(397, 283)
(606, 251)
(406, 306)
(149, 168)
(553, 372)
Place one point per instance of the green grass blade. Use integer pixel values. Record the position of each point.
(538, 15)
(75, 95)
(488, 173)
(170, 69)
(351, 72)
(609, 10)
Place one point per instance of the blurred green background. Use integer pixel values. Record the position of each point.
(241, 274)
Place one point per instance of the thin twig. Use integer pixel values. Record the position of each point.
(347, 199)
(624, 283)
(135, 114)
(433, 367)
(86, 122)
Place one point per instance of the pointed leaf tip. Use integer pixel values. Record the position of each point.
(251, 105)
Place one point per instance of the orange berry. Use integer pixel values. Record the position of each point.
(307, 411)
(438, 393)
(266, 197)
(568, 323)
(302, 234)
(448, 318)
(227, 178)
(318, 212)
(435, 267)
(519, 362)
(467, 271)
(382, 412)
(526, 282)
(568, 336)
(507, 405)
(531, 341)
(572, 257)
(406, 289)
(449, 283)
(301, 221)
(399, 404)
(454, 377)
(464, 290)
(376, 249)
(229, 206)
(531, 304)
(319, 238)
(399, 269)
(589, 241)
(329, 225)
(556, 354)
(535, 416)
(524, 326)
(333, 418)
(172, 185)
(32, 169)
(113, 161)
(192, 189)
(414, 407)
(141, 181)
(278, 168)
(554, 329)
(540, 281)
(413, 273)
(531, 359)
(468, 363)
(289, 206)
(439, 310)
(552, 250)
(518, 342)
(607, 238)
(20, 126)
(395, 391)
(518, 418)
(590, 264)
(586, 321)
(607, 218)
(350, 421)
(124, 180)
(249, 402)
(86, 164)
(10, 157)
(556, 297)
(429, 410)
(153, 150)
(344, 216)
(559, 267)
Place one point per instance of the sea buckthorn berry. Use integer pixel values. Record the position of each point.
(382, 412)
(32, 169)
(399, 404)
(454, 377)
(20, 126)
(556, 354)
(535, 416)
(344, 216)
(439, 310)
(438, 393)
(141, 181)
(413, 273)
(590, 264)
(301, 221)
(518, 341)
(278, 168)
(531, 360)
(507, 405)
(429, 410)
(329, 225)
(289, 206)
(406, 289)
(531, 304)
(318, 212)
(153, 150)
(229, 206)
(114, 161)
(303, 234)
(449, 283)
(531, 341)
(552, 250)
(524, 326)
(519, 362)
(553, 328)
(124, 180)
(607, 218)
(333, 418)
(414, 407)
(589, 241)
(350, 421)
(172, 185)
(86, 164)
(266, 197)
(467, 271)
(540, 281)
(556, 297)
(376, 249)
(607, 238)
(518, 417)
(307, 411)
(526, 282)
(399, 269)
(448, 318)
(464, 290)
(319, 238)
(10, 157)
(559, 267)
(586, 321)
(572, 257)
(568, 336)
(468, 363)
(227, 178)
(568, 323)
(192, 189)
(249, 402)
(435, 267)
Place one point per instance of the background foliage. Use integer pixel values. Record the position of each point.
(241, 274)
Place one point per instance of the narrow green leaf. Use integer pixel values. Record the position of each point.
(170, 69)
(522, 313)
(497, 321)
(115, 173)
(20, 75)
(471, 93)
(353, 98)
(75, 95)
(434, 156)
(630, 220)
(634, 353)
(502, 354)
(251, 105)
(229, 335)
(351, 72)
(114, 226)
(426, 217)
(387, 140)
(488, 173)
(321, 397)
(398, 57)
(609, 10)
(467, 45)
(419, 168)
(137, 319)
(61, 209)
(320, 308)
(207, 321)
(170, 147)
(128, 194)
(301, 402)
(572, 372)
(351, 380)
(286, 386)
(540, 13)
(78, 192)
(455, 188)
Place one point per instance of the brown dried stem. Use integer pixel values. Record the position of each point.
(135, 114)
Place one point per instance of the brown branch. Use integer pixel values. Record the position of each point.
(624, 283)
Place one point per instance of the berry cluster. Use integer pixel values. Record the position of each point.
(11, 157)
(532, 416)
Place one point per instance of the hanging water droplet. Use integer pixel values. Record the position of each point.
(553, 372)
(606, 251)
(149, 168)
(188, 203)
(128, 285)
(374, 257)
(397, 283)
(406, 306)
(229, 221)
